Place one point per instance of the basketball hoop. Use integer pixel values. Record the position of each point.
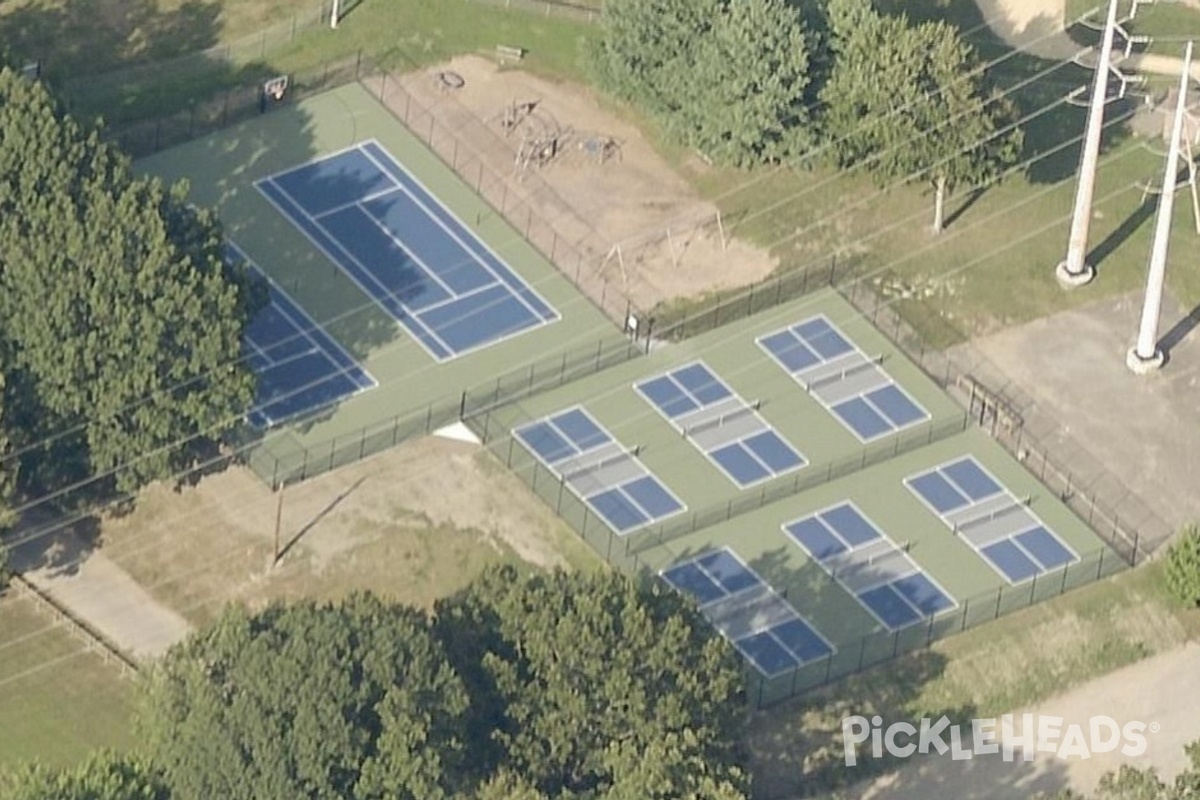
(275, 88)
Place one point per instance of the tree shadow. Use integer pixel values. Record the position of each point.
(47, 540)
(75, 38)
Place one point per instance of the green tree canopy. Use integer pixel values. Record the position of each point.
(347, 701)
(1183, 567)
(911, 102)
(120, 319)
(728, 77)
(1130, 783)
(605, 688)
(104, 776)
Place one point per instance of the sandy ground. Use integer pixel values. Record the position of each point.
(414, 523)
(670, 243)
(1148, 692)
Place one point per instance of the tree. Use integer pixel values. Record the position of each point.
(1183, 567)
(7, 484)
(646, 46)
(1129, 783)
(744, 96)
(348, 701)
(728, 77)
(605, 688)
(908, 102)
(104, 776)
(120, 318)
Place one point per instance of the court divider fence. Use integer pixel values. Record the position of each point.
(883, 646)
(279, 459)
(494, 428)
(647, 552)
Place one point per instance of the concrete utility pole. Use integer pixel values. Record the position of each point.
(1145, 356)
(1074, 271)
(333, 15)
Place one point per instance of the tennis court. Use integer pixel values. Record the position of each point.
(761, 624)
(879, 573)
(996, 524)
(723, 426)
(599, 469)
(850, 384)
(406, 250)
(300, 368)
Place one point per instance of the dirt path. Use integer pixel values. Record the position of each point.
(1147, 692)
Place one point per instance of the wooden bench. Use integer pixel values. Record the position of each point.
(506, 53)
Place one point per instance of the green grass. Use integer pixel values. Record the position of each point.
(398, 34)
(1009, 664)
(1169, 21)
(59, 701)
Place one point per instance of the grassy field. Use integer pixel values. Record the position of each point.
(59, 701)
(1003, 666)
(399, 34)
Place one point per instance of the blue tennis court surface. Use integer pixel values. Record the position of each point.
(599, 469)
(721, 424)
(869, 565)
(761, 625)
(407, 251)
(1000, 527)
(852, 386)
(300, 368)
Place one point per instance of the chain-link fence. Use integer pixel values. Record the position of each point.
(580, 10)
(280, 458)
(644, 552)
(999, 416)
(883, 646)
(679, 321)
(108, 94)
(234, 105)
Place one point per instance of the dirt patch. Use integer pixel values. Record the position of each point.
(415, 523)
(620, 218)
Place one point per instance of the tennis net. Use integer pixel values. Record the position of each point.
(843, 374)
(720, 420)
(1017, 505)
(598, 464)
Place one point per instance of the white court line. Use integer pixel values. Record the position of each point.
(682, 506)
(398, 242)
(376, 296)
(365, 199)
(708, 454)
(467, 247)
(271, 421)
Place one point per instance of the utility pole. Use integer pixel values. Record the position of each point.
(1145, 356)
(1074, 271)
(333, 16)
